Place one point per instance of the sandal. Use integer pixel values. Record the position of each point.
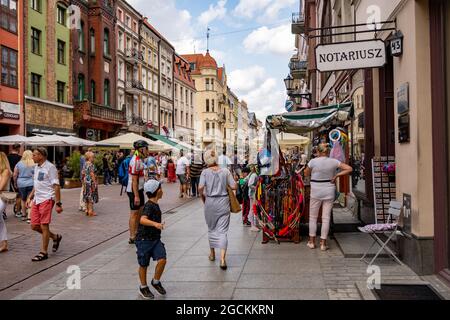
(40, 257)
(57, 242)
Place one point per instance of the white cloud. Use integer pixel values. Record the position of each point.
(267, 10)
(278, 40)
(273, 10)
(215, 12)
(267, 99)
(264, 95)
(174, 24)
(248, 8)
(245, 80)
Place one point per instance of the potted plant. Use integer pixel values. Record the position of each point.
(73, 162)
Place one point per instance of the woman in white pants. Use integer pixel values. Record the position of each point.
(323, 171)
(5, 177)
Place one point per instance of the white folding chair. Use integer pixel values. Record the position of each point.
(395, 211)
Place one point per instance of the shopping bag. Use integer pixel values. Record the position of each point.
(235, 207)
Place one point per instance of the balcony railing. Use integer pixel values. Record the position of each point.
(134, 56)
(298, 68)
(298, 23)
(134, 86)
(85, 110)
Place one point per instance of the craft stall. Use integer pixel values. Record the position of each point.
(282, 197)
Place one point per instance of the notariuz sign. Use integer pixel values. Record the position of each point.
(350, 55)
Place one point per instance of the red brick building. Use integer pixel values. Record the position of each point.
(11, 66)
(96, 113)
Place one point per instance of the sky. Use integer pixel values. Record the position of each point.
(252, 38)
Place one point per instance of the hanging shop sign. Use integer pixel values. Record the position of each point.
(396, 44)
(9, 110)
(350, 55)
(289, 105)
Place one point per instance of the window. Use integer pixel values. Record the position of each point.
(207, 84)
(8, 15)
(192, 98)
(192, 65)
(212, 84)
(106, 94)
(176, 116)
(61, 15)
(81, 37)
(212, 104)
(192, 121)
(207, 129)
(60, 87)
(207, 105)
(92, 40)
(128, 21)
(106, 42)
(9, 67)
(120, 14)
(81, 87)
(120, 41)
(92, 91)
(35, 41)
(181, 121)
(61, 52)
(134, 26)
(36, 5)
(187, 98)
(35, 85)
(187, 120)
(214, 129)
(121, 70)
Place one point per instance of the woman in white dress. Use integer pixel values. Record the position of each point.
(5, 177)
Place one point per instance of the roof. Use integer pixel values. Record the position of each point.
(182, 71)
(201, 61)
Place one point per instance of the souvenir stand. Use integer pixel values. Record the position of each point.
(282, 197)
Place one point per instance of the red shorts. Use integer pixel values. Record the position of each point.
(42, 213)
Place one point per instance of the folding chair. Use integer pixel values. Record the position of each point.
(391, 229)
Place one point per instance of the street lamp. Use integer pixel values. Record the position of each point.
(289, 83)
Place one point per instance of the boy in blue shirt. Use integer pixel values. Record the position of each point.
(148, 240)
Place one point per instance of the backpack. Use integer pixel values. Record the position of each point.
(123, 173)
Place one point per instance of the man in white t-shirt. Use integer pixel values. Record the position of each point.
(182, 173)
(46, 194)
(224, 161)
(135, 188)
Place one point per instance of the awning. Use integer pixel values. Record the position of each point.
(165, 140)
(304, 121)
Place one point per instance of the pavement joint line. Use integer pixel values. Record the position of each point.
(79, 253)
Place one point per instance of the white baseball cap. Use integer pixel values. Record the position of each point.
(151, 186)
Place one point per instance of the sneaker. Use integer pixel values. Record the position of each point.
(131, 241)
(18, 215)
(159, 288)
(311, 245)
(146, 293)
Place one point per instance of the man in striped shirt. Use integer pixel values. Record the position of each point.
(196, 168)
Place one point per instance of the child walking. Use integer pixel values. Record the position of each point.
(148, 240)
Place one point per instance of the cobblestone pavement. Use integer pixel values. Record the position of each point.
(80, 233)
(255, 270)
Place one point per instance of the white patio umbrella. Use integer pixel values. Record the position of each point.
(48, 140)
(126, 142)
(14, 139)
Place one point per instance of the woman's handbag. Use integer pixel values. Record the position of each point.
(8, 197)
(235, 207)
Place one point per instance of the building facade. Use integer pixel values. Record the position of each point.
(150, 76)
(166, 87)
(185, 92)
(416, 137)
(11, 64)
(130, 58)
(48, 81)
(210, 82)
(94, 80)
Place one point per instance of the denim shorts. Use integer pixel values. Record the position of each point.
(25, 192)
(147, 249)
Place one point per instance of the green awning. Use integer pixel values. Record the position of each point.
(164, 139)
(304, 121)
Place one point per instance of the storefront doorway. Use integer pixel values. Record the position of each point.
(387, 126)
